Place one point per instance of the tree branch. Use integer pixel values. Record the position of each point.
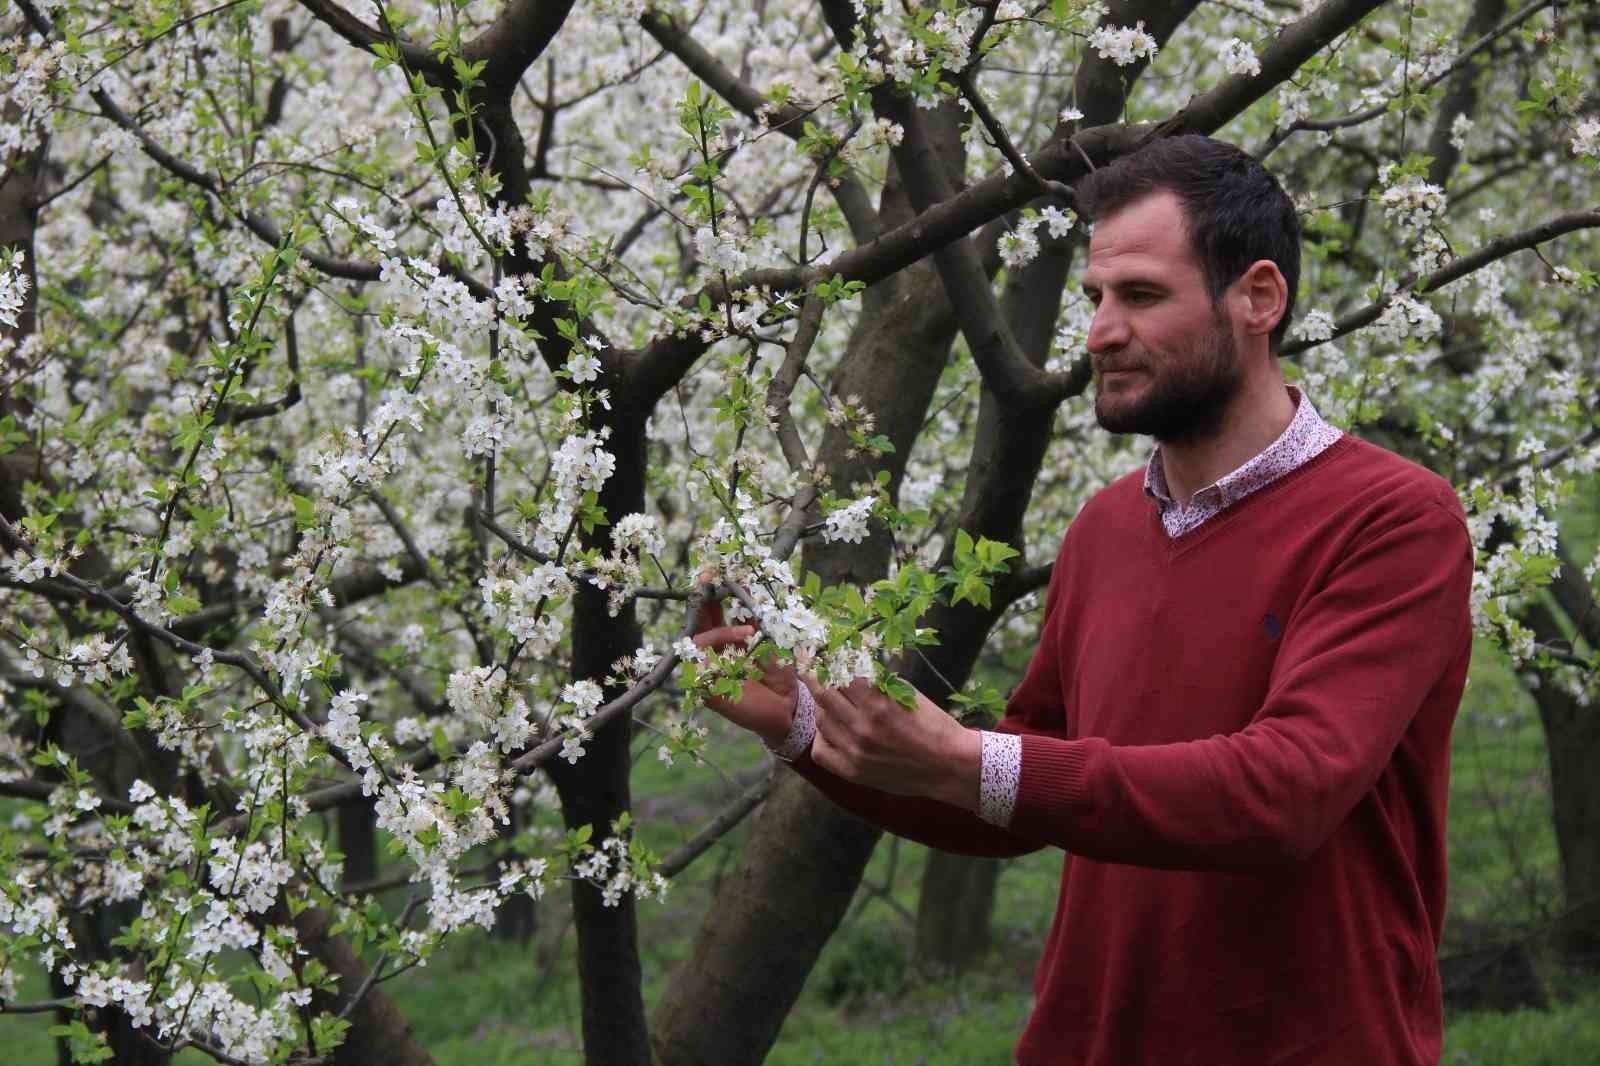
(1359, 117)
(510, 539)
(786, 119)
(1575, 595)
(1065, 157)
(232, 415)
(34, 789)
(1454, 271)
(261, 227)
(783, 383)
(515, 40)
(363, 36)
(1461, 97)
(1292, 47)
(1002, 140)
(624, 703)
(354, 270)
(46, 1006)
(1005, 369)
(731, 815)
(94, 593)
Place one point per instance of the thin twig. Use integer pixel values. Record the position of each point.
(731, 815)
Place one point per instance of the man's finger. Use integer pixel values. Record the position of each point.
(834, 709)
(711, 616)
(723, 636)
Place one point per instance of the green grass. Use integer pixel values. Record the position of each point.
(1566, 1034)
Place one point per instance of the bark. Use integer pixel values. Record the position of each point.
(795, 878)
(378, 1031)
(518, 917)
(595, 792)
(956, 904)
(955, 911)
(1572, 739)
(763, 931)
(20, 192)
(358, 828)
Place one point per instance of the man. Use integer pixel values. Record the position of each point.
(1237, 721)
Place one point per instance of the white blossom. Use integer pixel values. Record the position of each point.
(849, 523)
(1123, 45)
(1239, 58)
(1586, 138)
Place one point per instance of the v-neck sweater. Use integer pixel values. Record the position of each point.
(1240, 737)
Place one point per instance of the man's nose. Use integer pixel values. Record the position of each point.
(1108, 331)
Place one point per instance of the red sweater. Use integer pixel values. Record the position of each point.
(1241, 739)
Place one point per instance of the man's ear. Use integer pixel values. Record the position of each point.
(1260, 296)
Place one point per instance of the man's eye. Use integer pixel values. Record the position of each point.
(1141, 296)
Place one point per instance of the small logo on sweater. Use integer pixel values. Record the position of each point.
(1270, 623)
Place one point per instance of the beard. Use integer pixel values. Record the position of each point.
(1187, 395)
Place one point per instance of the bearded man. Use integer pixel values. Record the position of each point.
(1236, 724)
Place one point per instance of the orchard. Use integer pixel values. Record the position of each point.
(389, 389)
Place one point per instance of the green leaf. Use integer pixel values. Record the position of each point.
(182, 604)
(898, 689)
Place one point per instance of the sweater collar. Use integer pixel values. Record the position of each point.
(1306, 437)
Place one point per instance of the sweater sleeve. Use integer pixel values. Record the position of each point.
(938, 825)
(1358, 660)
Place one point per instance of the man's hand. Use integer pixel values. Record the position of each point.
(864, 736)
(765, 707)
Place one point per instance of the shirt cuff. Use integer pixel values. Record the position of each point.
(802, 730)
(1001, 775)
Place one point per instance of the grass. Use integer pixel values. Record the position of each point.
(486, 1002)
(1566, 1034)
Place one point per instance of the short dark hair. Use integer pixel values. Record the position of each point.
(1234, 211)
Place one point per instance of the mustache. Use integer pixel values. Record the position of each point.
(1114, 368)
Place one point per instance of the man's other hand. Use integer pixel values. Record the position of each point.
(866, 737)
(765, 707)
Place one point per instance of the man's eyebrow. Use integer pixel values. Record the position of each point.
(1123, 284)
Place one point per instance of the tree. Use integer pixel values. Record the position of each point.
(376, 383)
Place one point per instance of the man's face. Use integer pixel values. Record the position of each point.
(1163, 353)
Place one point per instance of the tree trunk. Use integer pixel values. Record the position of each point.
(954, 911)
(1572, 738)
(761, 936)
(358, 840)
(595, 792)
(957, 900)
(1461, 93)
(518, 917)
(83, 725)
(797, 875)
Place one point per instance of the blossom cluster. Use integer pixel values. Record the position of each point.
(1123, 45)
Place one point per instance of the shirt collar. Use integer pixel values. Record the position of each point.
(1306, 435)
